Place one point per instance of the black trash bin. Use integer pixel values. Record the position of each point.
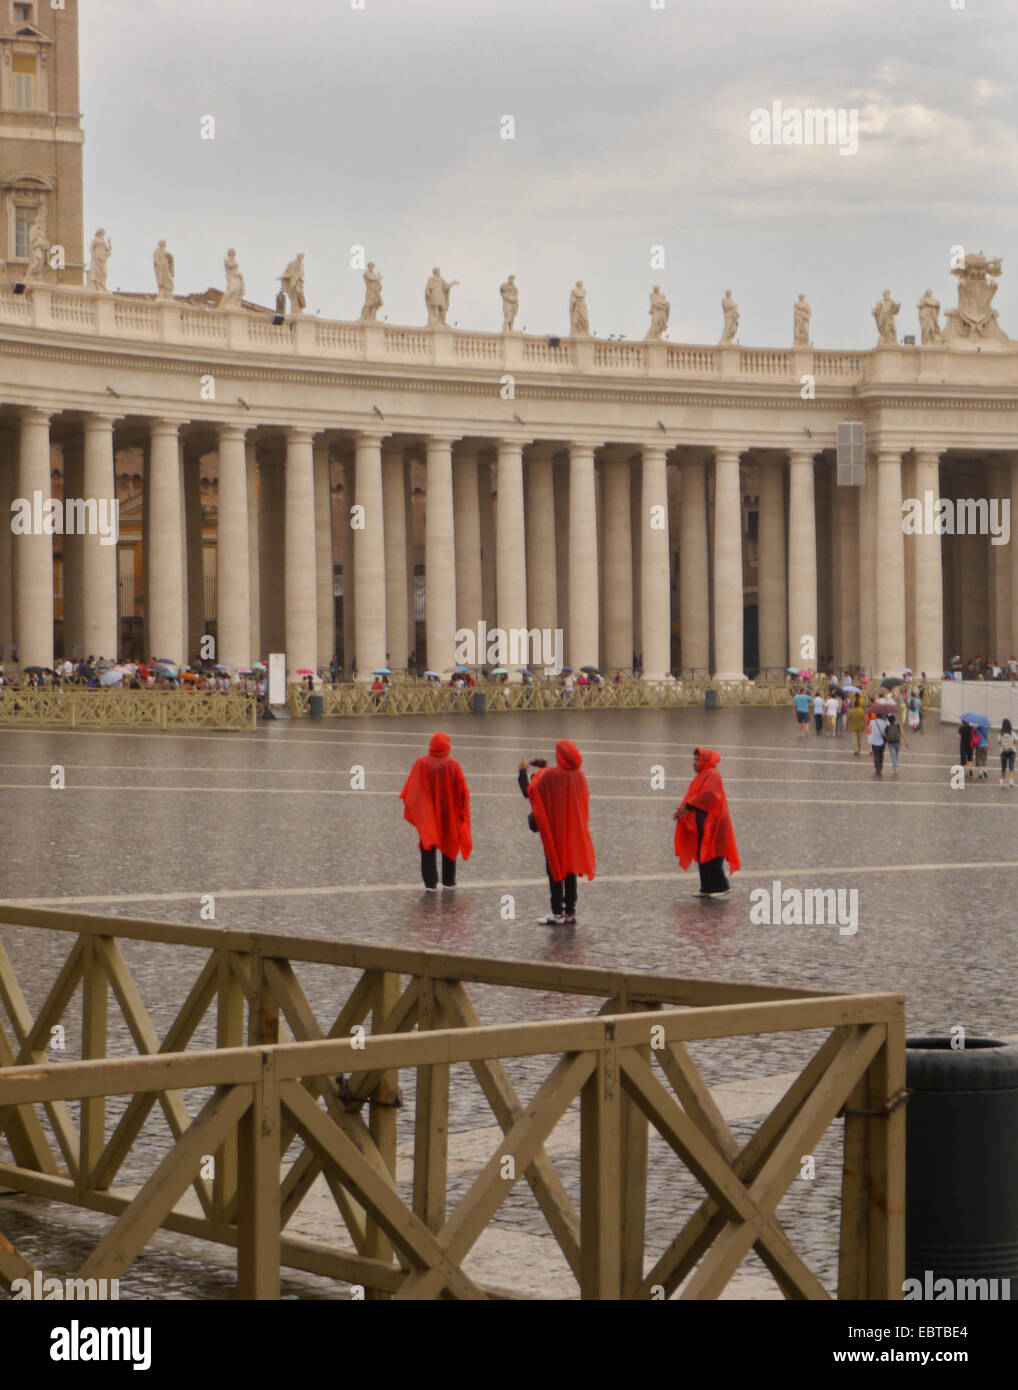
(316, 706)
(710, 699)
(961, 1167)
(480, 702)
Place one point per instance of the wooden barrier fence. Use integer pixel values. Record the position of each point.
(629, 1065)
(77, 708)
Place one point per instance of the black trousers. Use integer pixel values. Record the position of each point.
(712, 877)
(878, 756)
(429, 868)
(818, 720)
(563, 893)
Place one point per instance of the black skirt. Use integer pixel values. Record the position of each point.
(712, 872)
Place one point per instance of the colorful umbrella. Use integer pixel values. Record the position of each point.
(979, 719)
(381, 671)
(304, 671)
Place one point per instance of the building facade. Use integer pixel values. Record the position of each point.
(675, 507)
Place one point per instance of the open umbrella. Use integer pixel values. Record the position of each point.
(244, 671)
(432, 675)
(499, 671)
(522, 671)
(889, 682)
(805, 675)
(591, 670)
(221, 666)
(258, 666)
(792, 670)
(381, 671)
(33, 671)
(304, 671)
(111, 678)
(885, 707)
(980, 719)
(850, 689)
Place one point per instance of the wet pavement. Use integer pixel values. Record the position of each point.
(270, 824)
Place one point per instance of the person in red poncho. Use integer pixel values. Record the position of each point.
(703, 826)
(560, 811)
(437, 804)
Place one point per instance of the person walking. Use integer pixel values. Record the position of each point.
(802, 705)
(560, 805)
(831, 707)
(894, 736)
(965, 746)
(703, 826)
(1007, 750)
(981, 744)
(436, 802)
(857, 723)
(818, 713)
(875, 737)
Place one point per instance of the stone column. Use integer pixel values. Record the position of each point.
(349, 569)
(195, 547)
(466, 501)
(803, 620)
(846, 517)
(489, 558)
(655, 569)
(618, 564)
(272, 533)
(772, 585)
(867, 570)
(694, 606)
(397, 631)
(440, 555)
(8, 484)
(300, 582)
(583, 614)
(510, 549)
(728, 590)
(560, 484)
(33, 555)
(1013, 552)
(542, 582)
(929, 581)
(253, 556)
(164, 527)
(74, 554)
(999, 478)
(324, 564)
(99, 579)
(890, 569)
(369, 558)
(410, 594)
(233, 571)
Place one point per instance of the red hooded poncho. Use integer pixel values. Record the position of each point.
(437, 801)
(560, 800)
(706, 792)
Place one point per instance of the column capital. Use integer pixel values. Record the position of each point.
(504, 445)
(886, 456)
(933, 456)
(369, 439)
(232, 431)
(577, 448)
(648, 451)
(726, 454)
(300, 434)
(163, 425)
(34, 415)
(441, 441)
(801, 455)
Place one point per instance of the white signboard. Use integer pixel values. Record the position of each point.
(277, 678)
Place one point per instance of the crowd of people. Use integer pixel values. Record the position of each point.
(436, 802)
(881, 718)
(98, 673)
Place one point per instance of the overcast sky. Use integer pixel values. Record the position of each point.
(381, 127)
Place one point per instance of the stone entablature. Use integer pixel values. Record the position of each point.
(87, 315)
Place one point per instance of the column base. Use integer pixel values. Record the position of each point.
(729, 676)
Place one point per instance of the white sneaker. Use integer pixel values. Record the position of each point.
(1002, 781)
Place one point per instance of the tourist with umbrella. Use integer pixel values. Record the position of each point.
(703, 826)
(965, 743)
(436, 802)
(876, 735)
(856, 721)
(979, 726)
(894, 736)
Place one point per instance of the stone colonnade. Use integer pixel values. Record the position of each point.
(542, 565)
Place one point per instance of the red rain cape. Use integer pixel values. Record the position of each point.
(560, 801)
(437, 801)
(707, 793)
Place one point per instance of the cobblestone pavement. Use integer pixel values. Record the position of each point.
(269, 824)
